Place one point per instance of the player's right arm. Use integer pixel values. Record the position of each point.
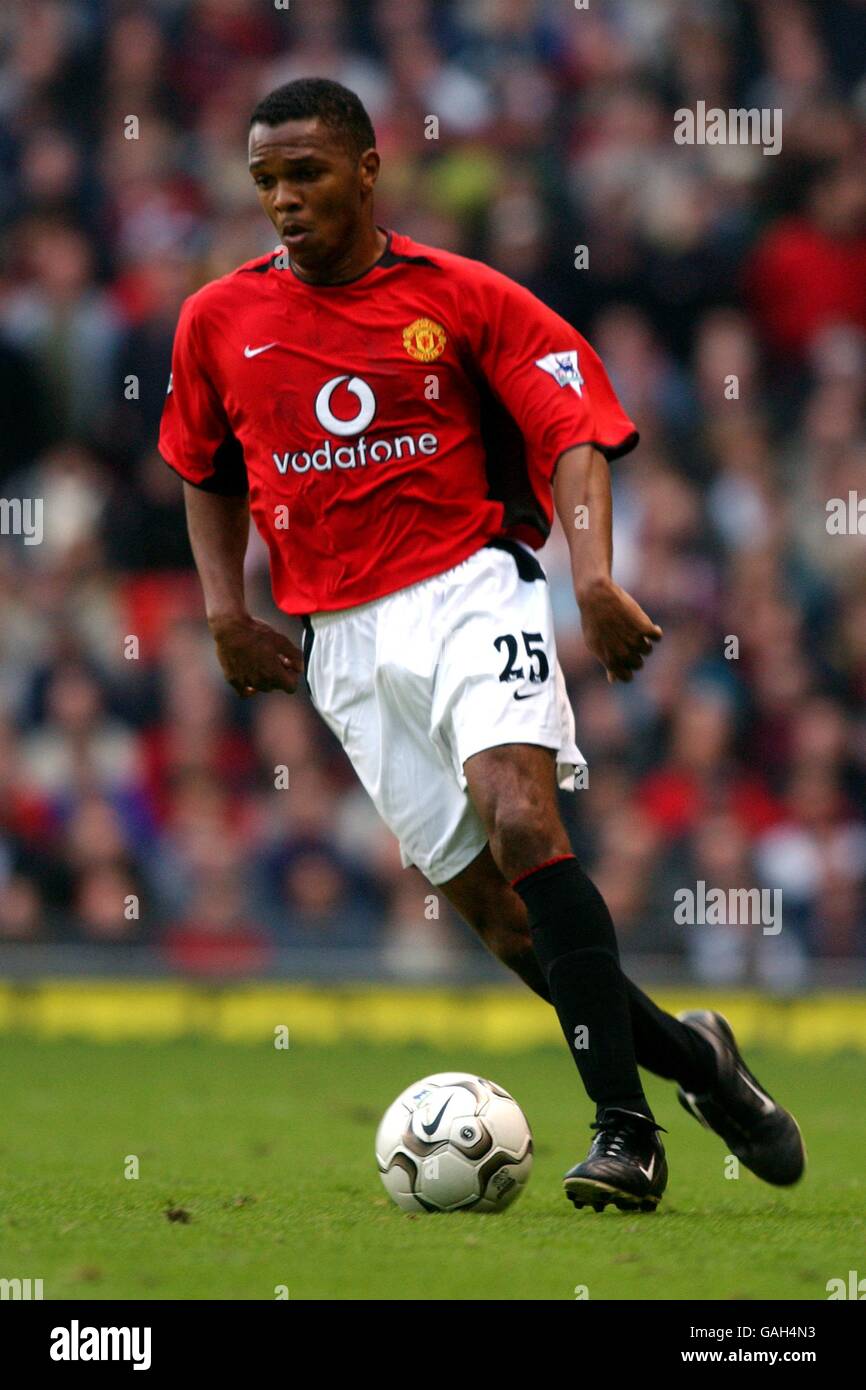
(197, 441)
(253, 656)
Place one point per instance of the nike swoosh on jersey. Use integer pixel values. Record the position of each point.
(528, 696)
(254, 352)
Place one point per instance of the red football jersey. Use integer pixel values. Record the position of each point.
(385, 428)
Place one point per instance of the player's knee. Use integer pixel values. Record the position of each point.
(524, 835)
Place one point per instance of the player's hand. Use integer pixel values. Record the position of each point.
(255, 657)
(616, 629)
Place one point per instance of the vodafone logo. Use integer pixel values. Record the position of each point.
(366, 406)
(394, 448)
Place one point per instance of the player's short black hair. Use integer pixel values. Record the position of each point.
(340, 109)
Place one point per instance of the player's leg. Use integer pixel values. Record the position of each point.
(495, 606)
(513, 789)
(697, 1050)
(485, 899)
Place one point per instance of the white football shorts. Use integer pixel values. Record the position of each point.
(415, 682)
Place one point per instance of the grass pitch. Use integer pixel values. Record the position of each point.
(256, 1171)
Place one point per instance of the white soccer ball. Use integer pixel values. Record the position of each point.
(454, 1141)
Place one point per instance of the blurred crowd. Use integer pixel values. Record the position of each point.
(140, 800)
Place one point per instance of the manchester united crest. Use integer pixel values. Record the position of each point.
(424, 340)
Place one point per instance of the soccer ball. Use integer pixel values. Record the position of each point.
(452, 1142)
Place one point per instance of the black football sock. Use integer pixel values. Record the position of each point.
(526, 966)
(662, 1044)
(667, 1047)
(574, 939)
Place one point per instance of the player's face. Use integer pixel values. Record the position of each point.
(313, 189)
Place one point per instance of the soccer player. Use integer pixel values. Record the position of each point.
(401, 423)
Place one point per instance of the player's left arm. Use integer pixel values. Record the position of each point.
(555, 386)
(615, 627)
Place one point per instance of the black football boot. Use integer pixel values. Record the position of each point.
(625, 1165)
(756, 1129)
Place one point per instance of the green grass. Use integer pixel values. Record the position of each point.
(270, 1156)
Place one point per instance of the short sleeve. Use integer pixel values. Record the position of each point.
(195, 437)
(545, 374)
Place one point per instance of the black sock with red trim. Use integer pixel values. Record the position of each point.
(574, 939)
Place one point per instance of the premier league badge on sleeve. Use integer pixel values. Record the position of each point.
(564, 369)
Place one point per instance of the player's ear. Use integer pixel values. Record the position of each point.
(370, 163)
